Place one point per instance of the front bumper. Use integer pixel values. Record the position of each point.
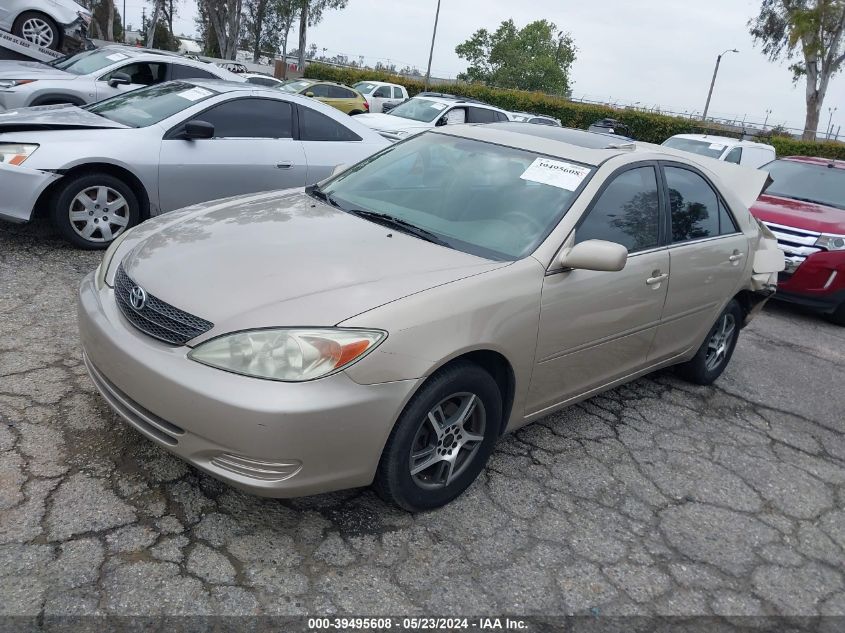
(818, 282)
(20, 189)
(268, 438)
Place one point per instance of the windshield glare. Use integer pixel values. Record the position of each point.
(147, 106)
(89, 61)
(702, 148)
(296, 85)
(477, 197)
(804, 181)
(419, 110)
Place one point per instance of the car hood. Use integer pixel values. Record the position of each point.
(387, 122)
(31, 70)
(285, 259)
(799, 214)
(53, 117)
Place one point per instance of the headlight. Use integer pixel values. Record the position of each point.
(15, 153)
(11, 83)
(290, 355)
(105, 264)
(831, 242)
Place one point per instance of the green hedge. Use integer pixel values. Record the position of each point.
(645, 126)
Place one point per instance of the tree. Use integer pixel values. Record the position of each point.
(267, 24)
(810, 32)
(310, 13)
(224, 16)
(536, 57)
(105, 15)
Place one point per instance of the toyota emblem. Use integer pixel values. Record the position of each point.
(138, 298)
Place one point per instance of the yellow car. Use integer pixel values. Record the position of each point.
(338, 96)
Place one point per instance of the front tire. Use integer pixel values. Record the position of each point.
(39, 29)
(717, 349)
(91, 210)
(442, 439)
(838, 315)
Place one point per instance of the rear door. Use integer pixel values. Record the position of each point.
(253, 150)
(708, 259)
(597, 327)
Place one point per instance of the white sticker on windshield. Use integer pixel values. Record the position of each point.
(438, 106)
(555, 173)
(717, 146)
(194, 94)
(116, 57)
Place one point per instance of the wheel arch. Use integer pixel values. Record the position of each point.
(134, 183)
(54, 98)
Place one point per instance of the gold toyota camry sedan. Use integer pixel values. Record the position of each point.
(389, 324)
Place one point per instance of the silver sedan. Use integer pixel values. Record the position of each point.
(101, 169)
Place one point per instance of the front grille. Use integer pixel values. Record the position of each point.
(157, 318)
(796, 244)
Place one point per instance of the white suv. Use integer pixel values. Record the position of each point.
(730, 150)
(429, 111)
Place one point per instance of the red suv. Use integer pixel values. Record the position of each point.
(805, 208)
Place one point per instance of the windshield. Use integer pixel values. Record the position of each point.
(702, 148)
(147, 106)
(419, 110)
(485, 199)
(805, 181)
(365, 87)
(89, 61)
(296, 85)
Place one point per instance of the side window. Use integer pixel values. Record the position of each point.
(383, 92)
(734, 156)
(481, 115)
(339, 92)
(501, 116)
(316, 126)
(397, 93)
(189, 72)
(144, 73)
(250, 118)
(693, 204)
(627, 212)
(726, 221)
(319, 90)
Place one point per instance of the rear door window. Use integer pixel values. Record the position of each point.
(397, 93)
(189, 72)
(481, 115)
(693, 205)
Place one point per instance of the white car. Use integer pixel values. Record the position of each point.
(730, 150)
(379, 93)
(96, 75)
(47, 23)
(536, 119)
(424, 113)
(261, 79)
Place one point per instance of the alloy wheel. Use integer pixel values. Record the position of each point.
(720, 342)
(37, 31)
(447, 440)
(99, 214)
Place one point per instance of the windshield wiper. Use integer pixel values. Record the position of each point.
(399, 224)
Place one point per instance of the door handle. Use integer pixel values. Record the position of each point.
(736, 256)
(657, 279)
(284, 165)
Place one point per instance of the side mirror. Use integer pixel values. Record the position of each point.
(339, 168)
(595, 255)
(309, 94)
(119, 79)
(199, 129)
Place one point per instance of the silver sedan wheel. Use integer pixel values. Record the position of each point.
(447, 441)
(37, 31)
(99, 214)
(720, 342)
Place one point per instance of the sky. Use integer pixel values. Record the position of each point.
(655, 52)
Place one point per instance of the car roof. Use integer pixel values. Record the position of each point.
(221, 85)
(817, 160)
(724, 140)
(452, 100)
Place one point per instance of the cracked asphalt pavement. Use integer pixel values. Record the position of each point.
(655, 498)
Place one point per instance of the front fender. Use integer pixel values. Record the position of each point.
(21, 188)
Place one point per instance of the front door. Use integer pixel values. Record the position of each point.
(252, 151)
(140, 74)
(596, 327)
(708, 256)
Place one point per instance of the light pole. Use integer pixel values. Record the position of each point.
(431, 52)
(713, 82)
(768, 112)
(832, 111)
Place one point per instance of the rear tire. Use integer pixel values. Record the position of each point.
(38, 28)
(442, 439)
(92, 209)
(716, 351)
